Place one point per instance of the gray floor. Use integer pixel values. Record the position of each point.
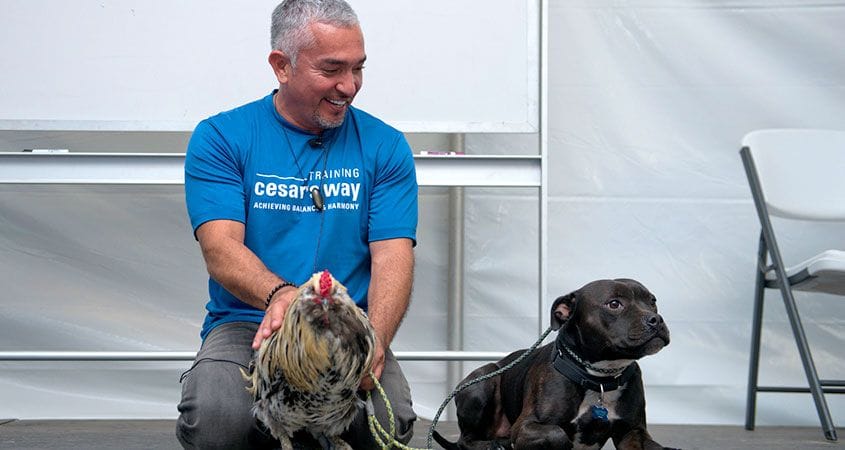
(158, 434)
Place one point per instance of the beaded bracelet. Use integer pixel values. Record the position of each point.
(273, 292)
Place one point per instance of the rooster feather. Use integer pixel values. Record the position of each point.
(306, 374)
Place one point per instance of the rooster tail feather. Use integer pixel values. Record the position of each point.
(251, 378)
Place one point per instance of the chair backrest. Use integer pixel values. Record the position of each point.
(801, 172)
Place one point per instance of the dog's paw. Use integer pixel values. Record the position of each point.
(500, 445)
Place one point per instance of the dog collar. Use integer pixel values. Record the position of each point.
(576, 373)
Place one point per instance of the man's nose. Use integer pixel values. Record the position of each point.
(349, 84)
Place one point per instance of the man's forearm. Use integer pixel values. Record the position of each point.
(390, 286)
(234, 266)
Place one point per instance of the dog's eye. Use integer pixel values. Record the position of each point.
(614, 304)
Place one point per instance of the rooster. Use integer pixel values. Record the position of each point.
(306, 374)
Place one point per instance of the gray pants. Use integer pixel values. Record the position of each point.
(215, 407)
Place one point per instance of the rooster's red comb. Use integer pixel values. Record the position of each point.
(326, 284)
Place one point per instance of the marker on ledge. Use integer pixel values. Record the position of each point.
(46, 150)
(438, 153)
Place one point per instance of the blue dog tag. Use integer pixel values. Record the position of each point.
(599, 413)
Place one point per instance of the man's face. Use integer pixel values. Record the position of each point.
(328, 74)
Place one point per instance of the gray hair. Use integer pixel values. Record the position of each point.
(289, 30)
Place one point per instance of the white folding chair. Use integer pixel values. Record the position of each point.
(795, 174)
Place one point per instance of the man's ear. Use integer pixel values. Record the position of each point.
(562, 309)
(281, 65)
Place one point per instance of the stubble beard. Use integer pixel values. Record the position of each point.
(328, 124)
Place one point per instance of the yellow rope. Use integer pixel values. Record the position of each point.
(384, 439)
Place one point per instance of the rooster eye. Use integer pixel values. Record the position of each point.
(614, 304)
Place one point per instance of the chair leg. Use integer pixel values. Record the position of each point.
(807, 360)
(754, 362)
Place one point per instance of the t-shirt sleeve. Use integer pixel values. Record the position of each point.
(393, 204)
(213, 178)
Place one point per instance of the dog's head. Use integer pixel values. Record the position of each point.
(610, 320)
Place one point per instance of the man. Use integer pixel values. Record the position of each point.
(281, 188)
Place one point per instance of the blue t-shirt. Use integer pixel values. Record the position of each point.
(251, 165)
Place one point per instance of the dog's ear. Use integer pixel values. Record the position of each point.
(562, 309)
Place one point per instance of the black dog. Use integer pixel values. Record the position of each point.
(577, 392)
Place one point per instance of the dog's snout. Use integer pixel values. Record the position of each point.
(653, 320)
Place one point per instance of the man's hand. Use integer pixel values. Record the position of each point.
(367, 382)
(274, 315)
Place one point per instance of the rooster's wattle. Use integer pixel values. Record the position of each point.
(306, 374)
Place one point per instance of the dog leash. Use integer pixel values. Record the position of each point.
(390, 437)
(480, 379)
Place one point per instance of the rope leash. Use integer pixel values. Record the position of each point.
(390, 437)
(480, 379)
(384, 439)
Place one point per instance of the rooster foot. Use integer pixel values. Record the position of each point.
(333, 443)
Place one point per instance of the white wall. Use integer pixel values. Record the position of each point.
(648, 103)
(162, 65)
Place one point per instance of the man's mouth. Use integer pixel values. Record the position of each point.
(338, 103)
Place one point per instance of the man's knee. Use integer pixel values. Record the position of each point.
(399, 393)
(212, 424)
(215, 407)
(405, 428)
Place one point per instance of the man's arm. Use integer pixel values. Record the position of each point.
(240, 271)
(389, 294)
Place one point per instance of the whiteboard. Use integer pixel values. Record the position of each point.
(160, 65)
